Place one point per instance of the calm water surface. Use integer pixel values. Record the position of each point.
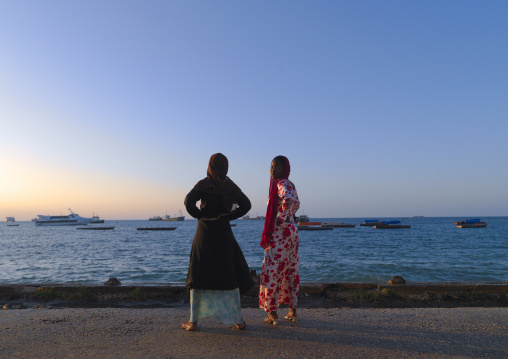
(433, 249)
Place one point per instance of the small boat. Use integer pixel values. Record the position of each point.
(339, 224)
(156, 228)
(233, 224)
(471, 223)
(72, 219)
(391, 225)
(155, 218)
(10, 222)
(247, 218)
(302, 218)
(97, 228)
(96, 219)
(313, 226)
(181, 217)
(369, 223)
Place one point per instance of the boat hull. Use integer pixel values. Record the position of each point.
(472, 225)
(314, 228)
(156, 228)
(392, 226)
(97, 228)
(61, 223)
(179, 219)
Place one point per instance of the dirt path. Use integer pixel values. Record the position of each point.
(320, 333)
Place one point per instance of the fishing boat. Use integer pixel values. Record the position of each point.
(247, 218)
(72, 219)
(471, 223)
(369, 223)
(302, 218)
(391, 225)
(97, 228)
(339, 224)
(10, 222)
(180, 217)
(155, 218)
(96, 219)
(313, 226)
(156, 228)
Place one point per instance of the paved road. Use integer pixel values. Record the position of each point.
(320, 333)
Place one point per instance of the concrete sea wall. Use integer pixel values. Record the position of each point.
(312, 295)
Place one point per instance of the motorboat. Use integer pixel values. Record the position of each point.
(302, 218)
(156, 228)
(10, 222)
(369, 223)
(339, 224)
(391, 225)
(102, 228)
(313, 226)
(96, 219)
(471, 223)
(247, 218)
(72, 219)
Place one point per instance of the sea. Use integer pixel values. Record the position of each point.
(433, 249)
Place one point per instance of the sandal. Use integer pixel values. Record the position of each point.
(190, 326)
(272, 319)
(241, 326)
(291, 316)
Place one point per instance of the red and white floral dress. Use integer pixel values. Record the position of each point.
(279, 280)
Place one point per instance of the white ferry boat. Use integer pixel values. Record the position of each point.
(72, 219)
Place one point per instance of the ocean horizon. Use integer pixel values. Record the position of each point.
(433, 249)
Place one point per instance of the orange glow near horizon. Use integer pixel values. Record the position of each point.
(29, 190)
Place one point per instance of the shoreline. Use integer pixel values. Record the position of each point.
(312, 295)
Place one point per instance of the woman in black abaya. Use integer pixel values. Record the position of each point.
(218, 272)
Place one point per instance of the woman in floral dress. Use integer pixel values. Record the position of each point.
(279, 280)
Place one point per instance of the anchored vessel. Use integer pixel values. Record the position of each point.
(96, 219)
(302, 218)
(369, 223)
(180, 217)
(471, 223)
(10, 222)
(247, 218)
(72, 219)
(391, 225)
(339, 224)
(313, 226)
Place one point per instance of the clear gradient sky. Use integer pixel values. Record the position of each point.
(384, 108)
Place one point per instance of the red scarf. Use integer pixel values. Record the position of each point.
(271, 208)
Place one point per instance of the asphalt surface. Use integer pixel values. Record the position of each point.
(319, 333)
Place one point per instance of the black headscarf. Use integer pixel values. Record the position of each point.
(216, 181)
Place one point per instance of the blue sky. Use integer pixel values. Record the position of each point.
(384, 108)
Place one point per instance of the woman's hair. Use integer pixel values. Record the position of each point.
(280, 160)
